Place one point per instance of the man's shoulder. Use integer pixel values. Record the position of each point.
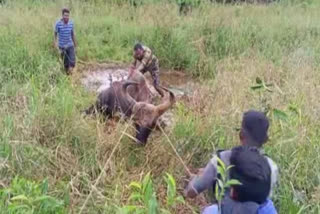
(223, 155)
(272, 164)
(146, 49)
(58, 22)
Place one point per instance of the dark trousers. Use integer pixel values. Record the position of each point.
(68, 57)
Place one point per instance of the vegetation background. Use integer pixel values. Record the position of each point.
(261, 56)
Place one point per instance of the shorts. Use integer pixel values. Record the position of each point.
(68, 56)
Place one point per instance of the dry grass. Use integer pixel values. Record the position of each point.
(43, 134)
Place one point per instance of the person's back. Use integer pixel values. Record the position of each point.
(252, 170)
(254, 132)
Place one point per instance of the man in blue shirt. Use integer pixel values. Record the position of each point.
(64, 31)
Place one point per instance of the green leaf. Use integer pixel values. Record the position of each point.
(135, 185)
(180, 199)
(126, 209)
(164, 211)
(171, 189)
(145, 182)
(19, 207)
(135, 197)
(221, 164)
(220, 183)
(279, 114)
(217, 193)
(147, 188)
(258, 80)
(153, 205)
(232, 182)
(221, 172)
(148, 192)
(255, 87)
(171, 182)
(20, 198)
(140, 211)
(294, 108)
(229, 167)
(44, 186)
(43, 198)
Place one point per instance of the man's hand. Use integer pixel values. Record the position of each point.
(132, 68)
(55, 44)
(75, 46)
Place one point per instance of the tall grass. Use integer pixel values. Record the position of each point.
(43, 135)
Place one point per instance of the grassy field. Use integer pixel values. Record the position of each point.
(52, 159)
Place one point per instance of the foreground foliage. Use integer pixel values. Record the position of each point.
(247, 56)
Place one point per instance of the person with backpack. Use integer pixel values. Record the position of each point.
(252, 170)
(254, 133)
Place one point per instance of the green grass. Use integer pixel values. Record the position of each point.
(43, 136)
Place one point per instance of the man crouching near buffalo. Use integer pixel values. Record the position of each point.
(66, 43)
(145, 60)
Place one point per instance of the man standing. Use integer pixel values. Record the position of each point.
(144, 61)
(66, 43)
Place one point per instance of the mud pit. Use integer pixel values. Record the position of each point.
(98, 78)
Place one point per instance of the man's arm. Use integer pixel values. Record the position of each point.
(140, 67)
(73, 38)
(55, 40)
(147, 57)
(204, 181)
(133, 64)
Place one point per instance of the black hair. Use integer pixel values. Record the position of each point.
(255, 127)
(137, 46)
(65, 10)
(252, 170)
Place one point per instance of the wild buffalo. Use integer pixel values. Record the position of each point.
(132, 98)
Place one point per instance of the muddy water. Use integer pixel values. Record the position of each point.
(99, 78)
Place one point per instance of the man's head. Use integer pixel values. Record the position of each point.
(252, 170)
(138, 51)
(65, 15)
(254, 129)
